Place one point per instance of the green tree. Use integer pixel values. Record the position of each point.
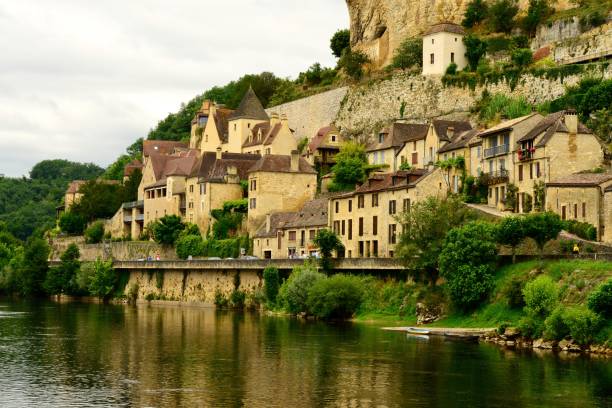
(264, 85)
(187, 245)
(522, 57)
(475, 48)
(542, 227)
(115, 170)
(352, 62)
(293, 293)
(286, 91)
(600, 300)
(327, 241)
(467, 263)
(541, 296)
(501, 15)
(33, 268)
(340, 41)
(64, 170)
(537, 12)
(351, 167)
(103, 279)
(511, 232)
(177, 126)
(425, 226)
(167, 229)
(72, 223)
(271, 284)
(95, 233)
(475, 13)
(62, 279)
(336, 297)
(99, 200)
(409, 54)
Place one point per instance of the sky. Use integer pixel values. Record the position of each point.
(82, 80)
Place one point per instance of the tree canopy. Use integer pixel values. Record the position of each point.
(340, 41)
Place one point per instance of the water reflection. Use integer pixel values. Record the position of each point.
(95, 355)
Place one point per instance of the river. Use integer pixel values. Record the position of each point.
(65, 355)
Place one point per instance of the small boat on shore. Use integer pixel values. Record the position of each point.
(417, 331)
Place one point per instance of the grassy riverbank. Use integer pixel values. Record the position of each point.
(394, 303)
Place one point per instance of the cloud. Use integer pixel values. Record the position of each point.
(82, 80)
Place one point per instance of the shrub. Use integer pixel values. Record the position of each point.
(451, 69)
(327, 241)
(95, 233)
(271, 283)
(220, 299)
(582, 229)
(591, 20)
(237, 299)
(582, 323)
(531, 326)
(409, 54)
(514, 293)
(255, 299)
(293, 292)
(494, 107)
(352, 62)
(501, 15)
(522, 57)
(72, 223)
(600, 300)
(475, 49)
(542, 227)
(475, 13)
(511, 232)
(336, 297)
(470, 285)
(339, 42)
(189, 245)
(540, 296)
(166, 230)
(555, 327)
(102, 281)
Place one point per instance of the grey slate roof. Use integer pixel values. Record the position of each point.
(250, 108)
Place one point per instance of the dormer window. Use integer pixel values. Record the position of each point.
(381, 138)
(333, 138)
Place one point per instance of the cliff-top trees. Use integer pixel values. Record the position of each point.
(339, 42)
(475, 13)
(409, 54)
(475, 48)
(501, 15)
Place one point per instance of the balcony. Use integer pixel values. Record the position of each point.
(497, 177)
(525, 154)
(496, 151)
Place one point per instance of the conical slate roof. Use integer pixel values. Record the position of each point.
(250, 108)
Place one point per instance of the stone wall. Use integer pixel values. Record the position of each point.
(367, 107)
(190, 286)
(307, 115)
(125, 251)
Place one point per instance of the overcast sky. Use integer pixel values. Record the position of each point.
(81, 80)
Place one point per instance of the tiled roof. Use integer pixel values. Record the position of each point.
(446, 28)
(75, 186)
(242, 165)
(389, 181)
(267, 134)
(280, 164)
(129, 168)
(581, 180)
(442, 127)
(506, 125)
(250, 108)
(459, 141)
(161, 146)
(551, 124)
(277, 221)
(180, 166)
(319, 139)
(158, 162)
(398, 135)
(312, 214)
(220, 117)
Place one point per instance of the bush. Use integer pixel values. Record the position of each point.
(475, 49)
(451, 69)
(470, 285)
(293, 293)
(237, 299)
(542, 227)
(72, 223)
(95, 233)
(166, 230)
(583, 230)
(271, 283)
(501, 15)
(102, 282)
(475, 13)
(531, 326)
(336, 297)
(339, 42)
(255, 299)
(522, 57)
(220, 299)
(600, 300)
(189, 245)
(409, 54)
(555, 327)
(583, 324)
(352, 62)
(540, 296)
(514, 293)
(497, 106)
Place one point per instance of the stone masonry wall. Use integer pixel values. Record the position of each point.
(306, 116)
(124, 251)
(367, 107)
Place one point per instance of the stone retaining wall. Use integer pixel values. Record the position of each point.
(125, 251)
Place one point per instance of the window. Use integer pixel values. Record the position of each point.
(268, 151)
(350, 205)
(333, 138)
(360, 201)
(343, 227)
(478, 151)
(360, 226)
(563, 213)
(432, 41)
(502, 164)
(415, 158)
(361, 249)
(538, 172)
(191, 188)
(392, 209)
(406, 205)
(253, 185)
(583, 210)
(337, 207)
(375, 249)
(530, 171)
(350, 229)
(392, 230)
(381, 138)
(452, 57)
(292, 235)
(311, 234)
(575, 210)
(336, 227)
(374, 225)
(520, 172)
(253, 203)
(374, 200)
(203, 188)
(302, 238)
(431, 59)
(491, 166)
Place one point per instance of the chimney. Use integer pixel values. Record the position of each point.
(274, 118)
(450, 132)
(268, 223)
(206, 106)
(232, 175)
(219, 154)
(571, 121)
(284, 120)
(295, 161)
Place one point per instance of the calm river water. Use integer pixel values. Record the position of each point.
(94, 355)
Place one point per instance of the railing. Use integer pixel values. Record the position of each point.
(127, 218)
(140, 217)
(525, 154)
(133, 204)
(501, 173)
(496, 150)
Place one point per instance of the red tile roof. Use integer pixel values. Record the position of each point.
(161, 146)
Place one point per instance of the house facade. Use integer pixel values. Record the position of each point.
(442, 46)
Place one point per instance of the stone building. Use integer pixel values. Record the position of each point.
(366, 219)
(279, 184)
(442, 46)
(272, 137)
(323, 147)
(461, 145)
(291, 234)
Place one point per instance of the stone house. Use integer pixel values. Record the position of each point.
(272, 137)
(323, 147)
(442, 46)
(584, 197)
(278, 183)
(394, 139)
(366, 220)
(460, 145)
(291, 234)
(209, 127)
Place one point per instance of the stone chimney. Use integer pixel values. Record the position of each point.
(571, 121)
(219, 154)
(206, 106)
(284, 120)
(274, 118)
(295, 161)
(232, 175)
(450, 132)
(268, 226)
